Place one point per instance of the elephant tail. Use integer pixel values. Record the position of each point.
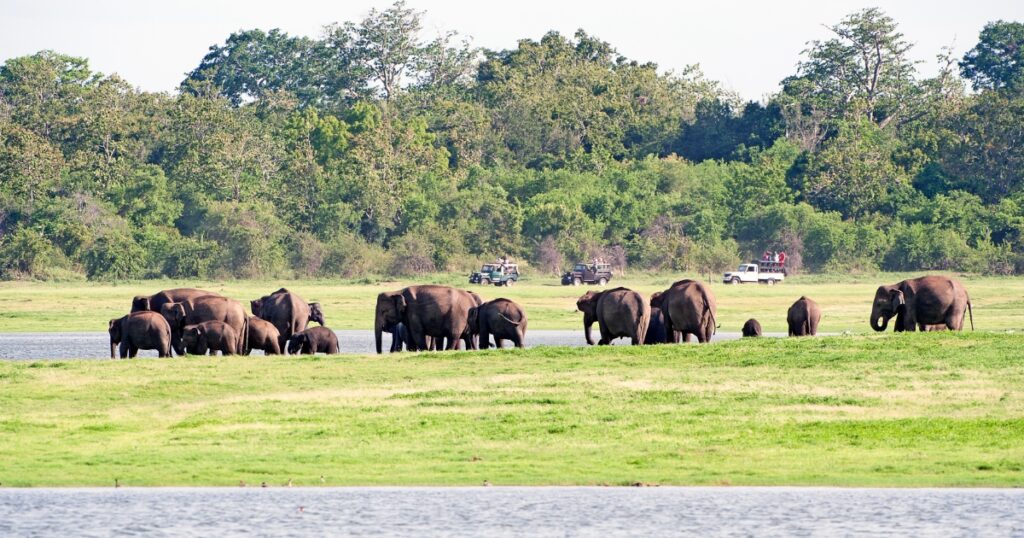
(243, 344)
(506, 318)
(971, 310)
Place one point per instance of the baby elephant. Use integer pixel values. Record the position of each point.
(140, 330)
(752, 328)
(501, 318)
(210, 336)
(313, 340)
(263, 335)
(803, 317)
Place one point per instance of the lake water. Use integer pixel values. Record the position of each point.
(27, 346)
(499, 511)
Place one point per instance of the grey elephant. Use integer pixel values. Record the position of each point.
(619, 313)
(922, 304)
(314, 340)
(440, 312)
(210, 336)
(689, 308)
(751, 328)
(501, 318)
(657, 332)
(206, 308)
(139, 330)
(288, 312)
(803, 317)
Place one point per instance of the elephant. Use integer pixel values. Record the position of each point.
(502, 318)
(619, 312)
(140, 330)
(920, 303)
(803, 317)
(399, 337)
(264, 336)
(289, 313)
(156, 301)
(689, 309)
(313, 340)
(752, 327)
(206, 308)
(657, 333)
(427, 311)
(212, 336)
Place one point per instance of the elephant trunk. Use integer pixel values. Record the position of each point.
(113, 349)
(588, 322)
(378, 328)
(879, 327)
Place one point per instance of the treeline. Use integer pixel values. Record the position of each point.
(371, 150)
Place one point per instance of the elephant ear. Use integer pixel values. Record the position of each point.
(400, 305)
(897, 299)
(316, 313)
(256, 305)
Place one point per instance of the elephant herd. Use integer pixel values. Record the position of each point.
(431, 317)
(687, 310)
(194, 321)
(434, 317)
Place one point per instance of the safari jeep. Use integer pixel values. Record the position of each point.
(596, 273)
(761, 272)
(493, 273)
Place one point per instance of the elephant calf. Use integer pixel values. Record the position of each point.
(212, 336)
(752, 328)
(263, 335)
(313, 340)
(140, 330)
(803, 317)
(501, 318)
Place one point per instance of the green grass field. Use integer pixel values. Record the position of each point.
(935, 409)
(47, 307)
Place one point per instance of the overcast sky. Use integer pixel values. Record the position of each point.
(748, 45)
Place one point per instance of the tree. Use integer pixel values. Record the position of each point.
(387, 44)
(997, 61)
(861, 72)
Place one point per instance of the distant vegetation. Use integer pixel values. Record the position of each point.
(371, 150)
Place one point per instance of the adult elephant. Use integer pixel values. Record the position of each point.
(619, 312)
(139, 330)
(921, 303)
(501, 318)
(803, 317)
(206, 308)
(288, 312)
(689, 309)
(427, 311)
(155, 302)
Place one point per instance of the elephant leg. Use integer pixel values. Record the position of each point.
(133, 352)
(123, 349)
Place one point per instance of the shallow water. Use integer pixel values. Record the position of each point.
(574, 511)
(29, 346)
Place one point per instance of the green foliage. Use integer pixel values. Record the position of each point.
(370, 148)
(997, 61)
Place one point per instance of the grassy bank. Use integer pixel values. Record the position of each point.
(47, 307)
(934, 409)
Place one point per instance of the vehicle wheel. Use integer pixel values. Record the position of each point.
(771, 282)
(602, 281)
(485, 281)
(735, 280)
(576, 282)
(509, 282)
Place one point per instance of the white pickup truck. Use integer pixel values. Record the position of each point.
(762, 272)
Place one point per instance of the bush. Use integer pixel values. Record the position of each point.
(115, 256)
(250, 237)
(27, 253)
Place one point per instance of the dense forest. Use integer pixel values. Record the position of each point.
(373, 150)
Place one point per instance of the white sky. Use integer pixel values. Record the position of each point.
(748, 45)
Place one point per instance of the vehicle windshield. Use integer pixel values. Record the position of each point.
(487, 268)
(580, 267)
